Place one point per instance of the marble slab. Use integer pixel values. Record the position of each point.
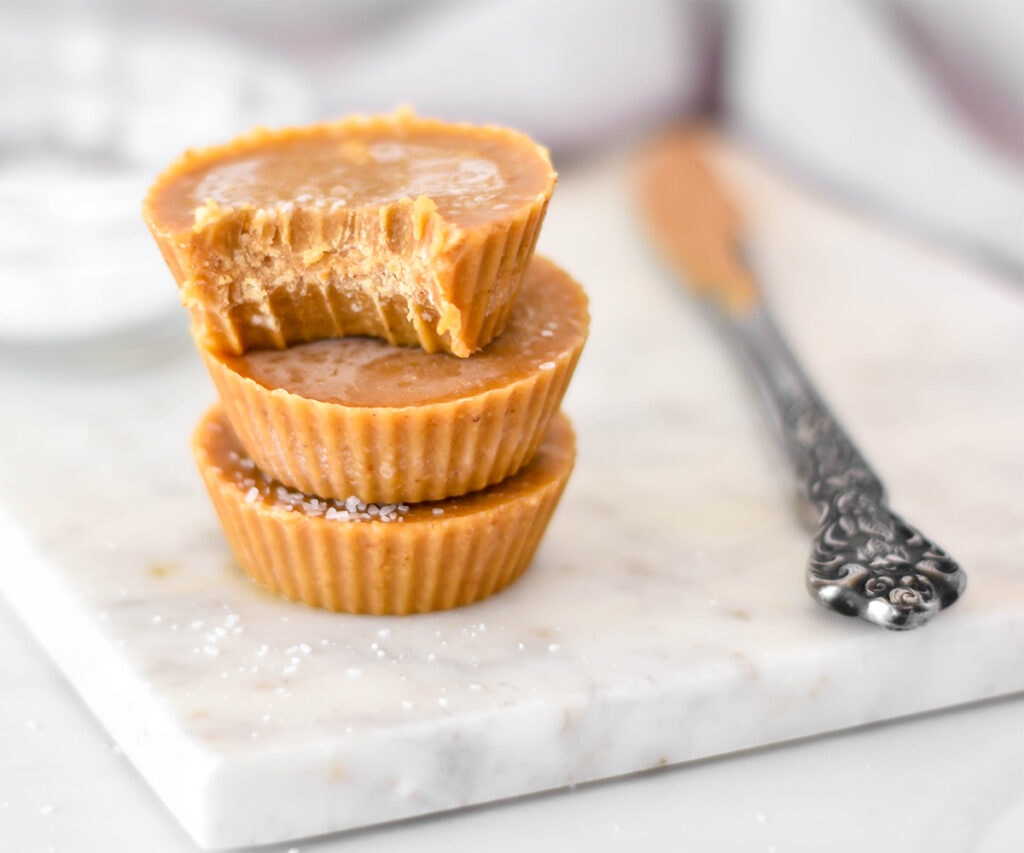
(664, 619)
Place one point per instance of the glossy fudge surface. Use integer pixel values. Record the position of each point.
(358, 416)
(411, 230)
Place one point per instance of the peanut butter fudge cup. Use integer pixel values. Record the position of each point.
(357, 416)
(411, 230)
(367, 558)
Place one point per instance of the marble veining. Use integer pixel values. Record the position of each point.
(665, 617)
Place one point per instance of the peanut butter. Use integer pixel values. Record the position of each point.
(357, 416)
(548, 323)
(407, 229)
(692, 220)
(367, 558)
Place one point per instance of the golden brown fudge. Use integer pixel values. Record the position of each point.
(408, 229)
(368, 558)
(357, 416)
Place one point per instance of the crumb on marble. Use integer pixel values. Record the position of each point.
(162, 569)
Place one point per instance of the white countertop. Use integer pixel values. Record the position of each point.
(947, 781)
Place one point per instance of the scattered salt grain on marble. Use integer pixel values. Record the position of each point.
(553, 647)
(407, 705)
(47, 809)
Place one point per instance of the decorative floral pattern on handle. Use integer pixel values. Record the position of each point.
(866, 560)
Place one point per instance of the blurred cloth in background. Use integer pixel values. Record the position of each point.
(914, 109)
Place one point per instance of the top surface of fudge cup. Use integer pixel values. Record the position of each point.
(358, 417)
(412, 230)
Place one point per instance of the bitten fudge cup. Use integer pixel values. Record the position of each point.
(357, 417)
(393, 559)
(403, 228)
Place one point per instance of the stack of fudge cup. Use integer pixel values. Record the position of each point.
(389, 354)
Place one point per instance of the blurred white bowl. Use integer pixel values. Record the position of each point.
(90, 111)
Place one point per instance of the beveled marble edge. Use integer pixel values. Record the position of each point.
(402, 771)
(174, 765)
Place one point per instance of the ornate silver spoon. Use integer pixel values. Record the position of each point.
(866, 560)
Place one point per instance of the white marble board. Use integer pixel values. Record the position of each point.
(664, 619)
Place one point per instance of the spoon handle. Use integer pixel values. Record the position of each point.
(866, 561)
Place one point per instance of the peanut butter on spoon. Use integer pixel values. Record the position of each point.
(701, 240)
